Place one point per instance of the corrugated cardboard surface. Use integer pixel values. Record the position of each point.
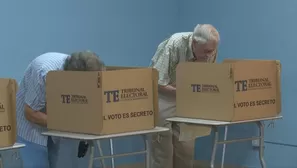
(278, 84)
(259, 99)
(192, 103)
(117, 100)
(155, 79)
(214, 91)
(8, 89)
(198, 164)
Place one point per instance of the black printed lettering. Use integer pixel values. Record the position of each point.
(254, 103)
(243, 104)
(141, 113)
(114, 116)
(125, 115)
(128, 115)
(265, 102)
(5, 128)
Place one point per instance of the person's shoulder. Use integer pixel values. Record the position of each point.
(180, 39)
(181, 35)
(49, 61)
(51, 55)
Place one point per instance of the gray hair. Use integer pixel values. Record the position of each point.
(204, 33)
(83, 61)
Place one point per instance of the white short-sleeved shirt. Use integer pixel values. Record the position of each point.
(177, 48)
(32, 93)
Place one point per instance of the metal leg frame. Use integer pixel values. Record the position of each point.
(1, 162)
(111, 152)
(17, 156)
(113, 156)
(20, 158)
(216, 142)
(92, 151)
(261, 144)
(147, 151)
(224, 146)
(214, 148)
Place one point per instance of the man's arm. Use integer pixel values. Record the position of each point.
(35, 97)
(168, 90)
(35, 117)
(163, 62)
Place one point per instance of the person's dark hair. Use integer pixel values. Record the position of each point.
(83, 61)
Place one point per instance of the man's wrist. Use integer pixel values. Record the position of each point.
(167, 90)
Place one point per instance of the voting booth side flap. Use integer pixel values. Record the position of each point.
(106, 102)
(204, 91)
(155, 78)
(130, 98)
(73, 101)
(8, 130)
(278, 77)
(233, 91)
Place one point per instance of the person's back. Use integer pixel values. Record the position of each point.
(178, 43)
(37, 69)
(180, 40)
(41, 151)
(32, 93)
(168, 151)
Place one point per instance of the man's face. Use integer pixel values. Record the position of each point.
(204, 52)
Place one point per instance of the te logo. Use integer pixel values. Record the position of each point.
(196, 87)
(241, 85)
(66, 99)
(112, 96)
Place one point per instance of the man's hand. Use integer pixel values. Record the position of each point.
(35, 117)
(168, 90)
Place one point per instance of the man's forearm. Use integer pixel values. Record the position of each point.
(169, 90)
(35, 117)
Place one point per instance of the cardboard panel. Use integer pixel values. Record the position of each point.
(106, 102)
(14, 89)
(128, 100)
(155, 77)
(232, 91)
(278, 75)
(255, 90)
(204, 91)
(111, 68)
(8, 88)
(73, 102)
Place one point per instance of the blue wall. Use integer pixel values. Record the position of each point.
(254, 29)
(121, 32)
(128, 32)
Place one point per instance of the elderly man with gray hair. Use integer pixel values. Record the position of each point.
(168, 150)
(41, 151)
